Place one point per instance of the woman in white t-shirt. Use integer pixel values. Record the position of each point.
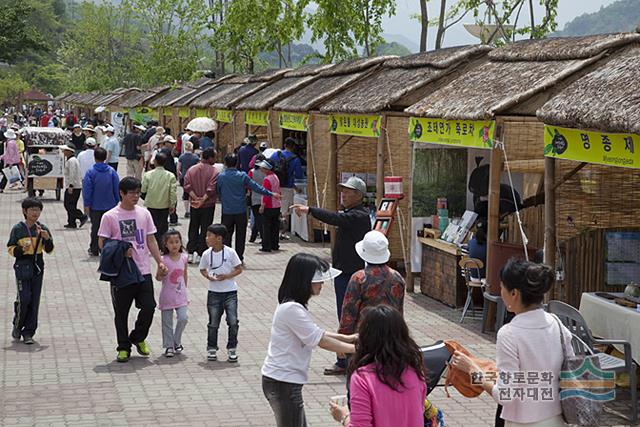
(293, 337)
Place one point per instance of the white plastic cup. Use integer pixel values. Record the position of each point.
(340, 400)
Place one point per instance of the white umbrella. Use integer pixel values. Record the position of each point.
(202, 124)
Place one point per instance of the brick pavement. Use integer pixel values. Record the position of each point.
(70, 377)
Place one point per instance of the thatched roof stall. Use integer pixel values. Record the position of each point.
(255, 83)
(503, 95)
(144, 98)
(205, 98)
(381, 97)
(301, 107)
(172, 96)
(592, 132)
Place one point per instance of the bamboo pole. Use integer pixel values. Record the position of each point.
(380, 162)
(549, 212)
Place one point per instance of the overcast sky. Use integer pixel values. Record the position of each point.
(404, 26)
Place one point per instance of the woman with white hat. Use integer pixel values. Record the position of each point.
(376, 284)
(293, 337)
(11, 156)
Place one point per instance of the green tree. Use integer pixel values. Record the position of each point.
(173, 35)
(102, 50)
(367, 25)
(22, 30)
(11, 86)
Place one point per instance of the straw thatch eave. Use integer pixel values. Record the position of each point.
(230, 99)
(355, 65)
(143, 99)
(124, 95)
(606, 99)
(169, 98)
(266, 97)
(187, 99)
(493, 88)
(308, 70)
(87, 98)
(269, 75)
(206, 98)
(441, 58)
(562, 48)
(400, 78)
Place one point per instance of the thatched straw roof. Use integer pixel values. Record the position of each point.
(269, 75)
(172, 96)
(606, 99)
(329, 83)
(204, 99)
(308, 70)
(144, 98)
(515, 74)
(233, 97)
(87, 98)
(401, 77)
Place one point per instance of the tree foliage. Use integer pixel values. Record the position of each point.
(11, 86)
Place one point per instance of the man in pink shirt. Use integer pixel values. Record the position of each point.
(132, 223)
(200, 184)
(270, 209)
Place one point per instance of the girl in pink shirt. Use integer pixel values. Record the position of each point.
(270, 209)
(173, 295)
(387, 384)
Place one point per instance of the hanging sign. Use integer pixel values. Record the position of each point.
(612, 149)
(224, 116)
(256, 118)
(202, 112)
(460, 133)
(167, 112)
(293, 121)
(143, 115)
(184, 112)
(348, 124)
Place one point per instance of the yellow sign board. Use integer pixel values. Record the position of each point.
(460, 133)
(256, 118)
(143, 115)
(184, 112)
(612, 149)
(202, 112)
(293, 121)
(224, 116)
(348, 124)
(167, 112)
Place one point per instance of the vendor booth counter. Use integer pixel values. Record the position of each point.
(441, 277)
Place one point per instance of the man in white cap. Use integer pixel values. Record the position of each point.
(112, 145)
(73, 188)
(352, 223)
(376, 284)
(86, 157)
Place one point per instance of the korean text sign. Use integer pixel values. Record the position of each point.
(348, 124)
(462, 133)
(612, 149)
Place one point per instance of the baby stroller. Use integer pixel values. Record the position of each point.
(435, 358)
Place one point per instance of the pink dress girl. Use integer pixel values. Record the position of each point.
(173, 296)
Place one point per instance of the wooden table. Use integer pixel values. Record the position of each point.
(609, 320)
(441, 277)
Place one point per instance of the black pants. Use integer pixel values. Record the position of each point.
(27, 304)
(286, 402)
(271, 229)
(199, 220)
(71, 206)
(257, 222)
(96, 217)
(161, 221)
(142, 294)
(237, 223)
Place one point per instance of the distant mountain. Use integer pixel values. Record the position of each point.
(299, 51)
(412, 45)
(621, 16)
(392, 48)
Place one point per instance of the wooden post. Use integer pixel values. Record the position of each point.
(332, 185)
(550, 213)
(493, 217)
(380, 162)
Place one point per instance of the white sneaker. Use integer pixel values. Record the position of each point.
(212, 354)
(196, 259)
(169, 352)
(233, 356)
(190, 258)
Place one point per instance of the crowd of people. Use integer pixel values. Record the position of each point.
(386, 380)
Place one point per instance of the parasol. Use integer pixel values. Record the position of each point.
(202, 124)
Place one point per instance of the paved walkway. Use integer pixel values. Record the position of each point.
(70, 377)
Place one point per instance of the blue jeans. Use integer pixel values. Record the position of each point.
(340, 283)
(217, 303)
(286, 402)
